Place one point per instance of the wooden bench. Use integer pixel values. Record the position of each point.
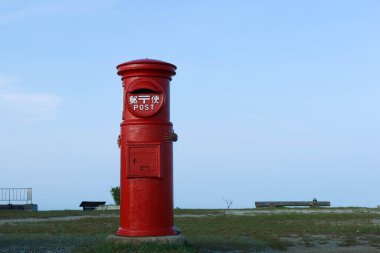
(291, 203)
(91, 205)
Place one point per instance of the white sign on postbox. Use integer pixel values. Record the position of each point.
(144, 104)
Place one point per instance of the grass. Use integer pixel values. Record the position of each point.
(206, 230)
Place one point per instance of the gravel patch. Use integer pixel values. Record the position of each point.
(65, 218)
(287, 211)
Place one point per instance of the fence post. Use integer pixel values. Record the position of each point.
(29, 196)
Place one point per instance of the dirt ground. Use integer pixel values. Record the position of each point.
(333, 249)
(330, 246)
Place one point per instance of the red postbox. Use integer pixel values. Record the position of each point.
(146, 178)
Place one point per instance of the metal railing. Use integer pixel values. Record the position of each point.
(16, 194)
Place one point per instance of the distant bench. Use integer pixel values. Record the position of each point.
(91, 205)
(291, 203)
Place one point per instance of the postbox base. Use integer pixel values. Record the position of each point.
(137, 240)
(164, 231)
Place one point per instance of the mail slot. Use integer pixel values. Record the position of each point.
(146, 145)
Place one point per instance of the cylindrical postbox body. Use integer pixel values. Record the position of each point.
(146, 177)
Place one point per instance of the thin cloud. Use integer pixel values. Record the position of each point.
(33, 10)
(6, 80)
(26, 12)
(32, 106)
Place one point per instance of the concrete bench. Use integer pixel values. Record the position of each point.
(107, 207)
(291, 203)
(25, 207)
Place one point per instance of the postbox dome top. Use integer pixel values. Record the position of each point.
(146, 66)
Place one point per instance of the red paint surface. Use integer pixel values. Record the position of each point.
(146, 177)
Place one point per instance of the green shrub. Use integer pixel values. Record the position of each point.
(115, 191)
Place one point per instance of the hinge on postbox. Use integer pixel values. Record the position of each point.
(171, 136)
(119, 140)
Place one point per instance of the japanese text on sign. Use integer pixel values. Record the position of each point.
(144, 102)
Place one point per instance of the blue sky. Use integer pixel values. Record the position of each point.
(273, 100)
